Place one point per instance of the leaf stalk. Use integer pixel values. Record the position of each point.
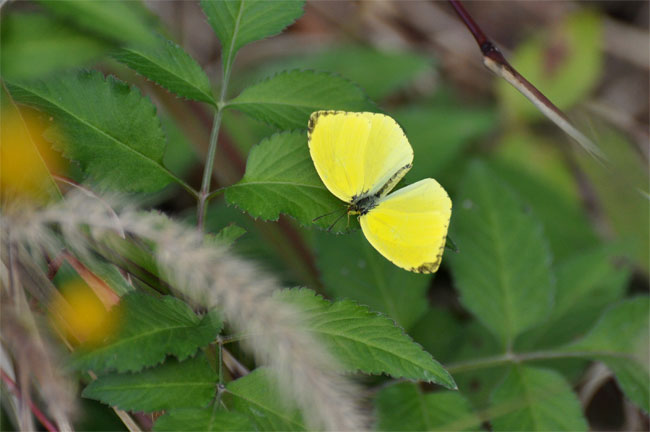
(503, 359)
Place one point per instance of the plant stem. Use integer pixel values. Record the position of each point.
(220, 346)
(207, 170)
(216, 192)
(499, 360)
(204, 193)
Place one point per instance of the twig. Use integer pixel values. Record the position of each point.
(594, 379)
(34, 409)
(234, 366)
(496, 62)
(130, 424)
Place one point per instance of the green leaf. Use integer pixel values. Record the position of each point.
(351, 268)
(538, 172)
(405, 407)
(365, 341)
(534, 399)
(245, 131)
(202, 419)
(398, 68)
(23, 169)
(150, 329)
(621, 339)
(95, 416)
(256, 396)
(621, 189)
(34, 45)
(180, 155)
(228, 235)
(586, 284)
(439, 134)
(103, 124)
(438, 331)
(109, 274)
(240, 22)
(286, 100)
(170, 66)
(502, 267)
(280, 178)
(124, 21)
(264, 243)
(564, 64)
(190, 384)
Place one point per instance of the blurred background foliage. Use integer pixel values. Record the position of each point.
(418, 63)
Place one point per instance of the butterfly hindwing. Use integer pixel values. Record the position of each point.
(358, 153)
(409, 227)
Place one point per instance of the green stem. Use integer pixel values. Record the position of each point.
(489, 362)
(207, 170)
(216, 192)
(204, 194)
(184, 185)
(220, 345)
(234, 338)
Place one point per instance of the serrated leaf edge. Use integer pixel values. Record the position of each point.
(369, 311)
(232, 102)
(132, 49)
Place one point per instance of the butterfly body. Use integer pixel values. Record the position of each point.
(360, 157)
(362, 204)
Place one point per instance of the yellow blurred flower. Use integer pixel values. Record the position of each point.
(81, 316)
(25, 158)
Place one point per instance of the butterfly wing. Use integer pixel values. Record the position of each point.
(358, 153)
(409, 227)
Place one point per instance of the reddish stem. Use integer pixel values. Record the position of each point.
(486, 46)
(37, 412)
(490, 51)
(469, 22)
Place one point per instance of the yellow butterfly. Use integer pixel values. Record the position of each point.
(360, 157)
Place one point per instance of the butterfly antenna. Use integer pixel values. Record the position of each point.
(322, 216)
(336, 221)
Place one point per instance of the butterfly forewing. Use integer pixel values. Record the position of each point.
(358, 154)
(409, 227)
